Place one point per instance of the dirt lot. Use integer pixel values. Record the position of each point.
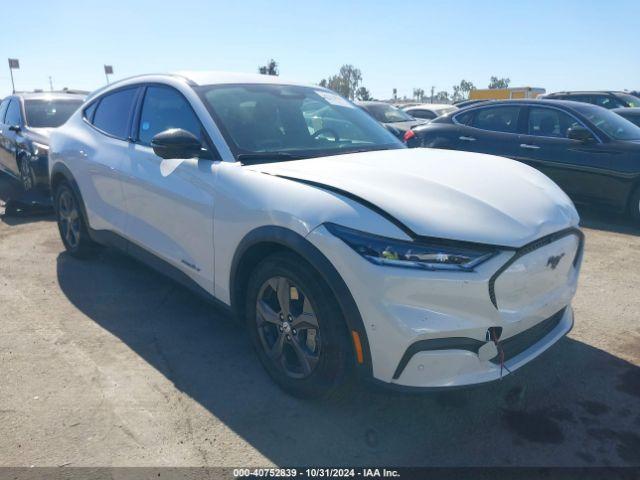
(106, 363)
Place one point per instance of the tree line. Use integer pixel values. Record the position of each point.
(348, 83)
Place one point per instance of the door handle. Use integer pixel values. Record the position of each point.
(530, 147)
(467, 139)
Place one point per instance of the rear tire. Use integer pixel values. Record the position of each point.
(71, 223)
(304, 345)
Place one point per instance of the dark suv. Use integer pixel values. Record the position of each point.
(601, 98)
(26, 121)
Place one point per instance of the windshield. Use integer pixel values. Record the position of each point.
(610, 123)
(386, 113)
(291, 122)
(49, 113)
(630, 100)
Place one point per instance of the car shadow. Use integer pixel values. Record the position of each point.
(18, 207)
(602, 219)
(575, 405)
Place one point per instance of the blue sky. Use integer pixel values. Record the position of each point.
(557, 45)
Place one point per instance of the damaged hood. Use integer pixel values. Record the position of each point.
(444, 193)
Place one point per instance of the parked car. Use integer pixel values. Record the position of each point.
(26, 121)
(429, 111)
(631, 114)
(590, 152)
(342, 251)
(604, 99)
(393, 118)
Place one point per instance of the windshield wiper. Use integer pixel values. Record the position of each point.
(267, 157)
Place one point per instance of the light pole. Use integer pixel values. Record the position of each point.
(50, 83)
(13, 63)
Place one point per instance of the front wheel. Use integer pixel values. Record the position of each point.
(71, 223)
(27, 176)
(297, 327)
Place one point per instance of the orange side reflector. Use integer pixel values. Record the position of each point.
(358, 346)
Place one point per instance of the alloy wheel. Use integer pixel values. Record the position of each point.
(69, 219)
(288, 327)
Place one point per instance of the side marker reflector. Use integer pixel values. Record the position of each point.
(358, 346)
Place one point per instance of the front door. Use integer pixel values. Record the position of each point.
(582, 170)
(8, 152)
(171, 202)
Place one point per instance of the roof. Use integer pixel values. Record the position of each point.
(50, 95)
(430, 106)
(364, 103)
(533, 101)
(582, 92)
(218, 78)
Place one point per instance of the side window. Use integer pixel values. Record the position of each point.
(464, 118)
(607, 101)
(89, 111)
(497, 119)
(165, 108)
(426, 114)
(3, 109)
(581, 98)
(549, 122)
(13, 116)
(113, 113)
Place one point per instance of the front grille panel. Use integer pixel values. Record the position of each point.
(531, 247)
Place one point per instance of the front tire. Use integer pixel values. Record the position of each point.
(71, 223)
(297, 327)
(27, 175)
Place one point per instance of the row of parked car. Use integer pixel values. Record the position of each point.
(587, 142)
(345, 253)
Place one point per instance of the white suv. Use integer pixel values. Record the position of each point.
(343, 252)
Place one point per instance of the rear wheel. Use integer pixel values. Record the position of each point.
(71, 223)
(297, 327)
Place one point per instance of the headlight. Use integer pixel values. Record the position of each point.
(40, 149)
(421, 255)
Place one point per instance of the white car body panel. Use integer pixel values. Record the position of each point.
(194, 213)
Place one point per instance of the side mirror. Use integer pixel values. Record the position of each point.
(580, 134)
(176, 143)
(15, 128)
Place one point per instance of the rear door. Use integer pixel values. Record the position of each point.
(492, 130)
(106, 155)
(580, 169)
(171, 202)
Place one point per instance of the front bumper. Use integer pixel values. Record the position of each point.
(429, 329)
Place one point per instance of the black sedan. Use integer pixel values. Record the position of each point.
(395, 120)
(590, 152)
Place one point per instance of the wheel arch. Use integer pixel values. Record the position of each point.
(266, 240)
(61, 173)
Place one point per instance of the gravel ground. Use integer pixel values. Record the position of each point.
(106, 363)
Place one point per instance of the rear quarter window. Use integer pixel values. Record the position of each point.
(113, 113)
